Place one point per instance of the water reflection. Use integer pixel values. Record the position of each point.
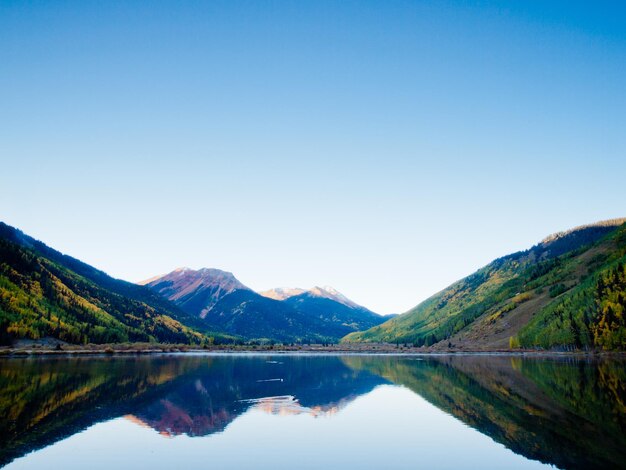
(563, 411)
(569, 413)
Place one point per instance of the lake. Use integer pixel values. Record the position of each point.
(307, 411)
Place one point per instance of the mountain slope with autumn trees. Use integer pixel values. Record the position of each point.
(566, 292)
(44, 293)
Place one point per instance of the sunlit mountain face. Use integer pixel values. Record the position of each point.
(196, 291)
(565, 412)
(326, 292)
(223, 304)
(282, 293)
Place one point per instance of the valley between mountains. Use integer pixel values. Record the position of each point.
(320, 314)
(568, 292)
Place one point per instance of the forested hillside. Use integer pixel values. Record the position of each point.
(44, 293)
(566, 292)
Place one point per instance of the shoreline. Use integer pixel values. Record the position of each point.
(361, 349)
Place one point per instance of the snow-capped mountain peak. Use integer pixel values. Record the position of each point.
(282, 293)
(333, 294)
(327, 292)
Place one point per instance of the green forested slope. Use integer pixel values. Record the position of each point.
(304, 318)
(44, 293)
(567, 291)
(589, 315)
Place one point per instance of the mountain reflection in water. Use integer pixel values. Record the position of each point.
(567, 412)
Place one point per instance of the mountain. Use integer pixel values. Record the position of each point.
(567, 292)
(44, 293)
(254, 317)
(302, 318)
(282, 314)
(196, 292)
(336, 316)
(333, 294)
(282, 293)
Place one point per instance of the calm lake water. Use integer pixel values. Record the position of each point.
(312, 412)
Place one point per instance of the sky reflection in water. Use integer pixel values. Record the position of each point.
(311, 412)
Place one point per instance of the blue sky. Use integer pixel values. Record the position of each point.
(385, 148)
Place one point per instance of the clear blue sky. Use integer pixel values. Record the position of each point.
(385, 148)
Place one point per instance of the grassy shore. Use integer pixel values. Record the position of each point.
(358, 348)
(151, 348)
